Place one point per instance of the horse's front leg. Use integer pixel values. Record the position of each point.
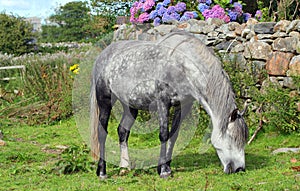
(163, 167)
(179, 115)
(128, 118)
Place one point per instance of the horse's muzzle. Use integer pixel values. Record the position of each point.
(240, 169)
(230, 169)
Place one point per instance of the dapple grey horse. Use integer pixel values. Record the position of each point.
(171, 72)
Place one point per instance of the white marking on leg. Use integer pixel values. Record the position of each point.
(124, 163)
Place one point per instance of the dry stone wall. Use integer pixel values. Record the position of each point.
(273, 46)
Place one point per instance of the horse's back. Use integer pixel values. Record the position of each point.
(131, 69)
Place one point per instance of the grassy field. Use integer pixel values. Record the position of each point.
(29, 159)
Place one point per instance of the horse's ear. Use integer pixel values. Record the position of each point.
(234, 115)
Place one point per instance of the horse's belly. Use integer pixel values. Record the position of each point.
(145, 94)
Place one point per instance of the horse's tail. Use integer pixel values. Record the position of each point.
(94, 120)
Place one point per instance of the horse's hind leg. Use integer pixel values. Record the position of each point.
(128, 118)
(105, 106)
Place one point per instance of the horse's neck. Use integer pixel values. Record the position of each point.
(218, 99)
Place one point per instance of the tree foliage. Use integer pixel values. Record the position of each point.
(71, 19)
(16, 35)
(77, 21)
(111, 7)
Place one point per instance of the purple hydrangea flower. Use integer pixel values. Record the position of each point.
(208, 2)
(161, 11)
(183, 18)
(236, 12)
(246, 16)
(233, 15)
(195, 14)
(237, 5)
(156, 21)
(171, 10)
(258, 14)
(166, 17)
(166, 2)
(202, 7)
(153, 14)
(189, 14)
(180, 7)
(175, 16)
(158, 6)
(170, 17)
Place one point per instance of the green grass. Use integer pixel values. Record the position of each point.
(28, 162)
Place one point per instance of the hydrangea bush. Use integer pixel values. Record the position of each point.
(159, 12)
(227, 10)
(145, 11)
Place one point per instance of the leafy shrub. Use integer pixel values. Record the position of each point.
(16, 35)
(75, 159)
(273, 106)
(279, 107)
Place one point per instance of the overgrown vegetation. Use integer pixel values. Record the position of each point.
(44, 90)
(271, 105)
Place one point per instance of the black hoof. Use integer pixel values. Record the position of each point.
(164, 170)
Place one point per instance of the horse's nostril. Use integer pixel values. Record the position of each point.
(240, 169)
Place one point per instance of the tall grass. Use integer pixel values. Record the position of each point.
(46, 87)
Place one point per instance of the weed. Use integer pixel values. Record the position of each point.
(75, 159)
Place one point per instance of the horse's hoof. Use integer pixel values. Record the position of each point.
(124, 171)
(165, 174)
(102, 177)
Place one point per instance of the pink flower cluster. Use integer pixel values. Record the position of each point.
(216, 12)
(139, 9)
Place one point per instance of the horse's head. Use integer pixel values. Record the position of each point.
(230, 143)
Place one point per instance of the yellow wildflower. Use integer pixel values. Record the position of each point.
(75, 68)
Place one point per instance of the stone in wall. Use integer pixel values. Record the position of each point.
(288, 44)
(295, 25)
(164, 29)
(282, 26)
(278, 64)
(257, 50)
(294, 66)
(264, 28)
